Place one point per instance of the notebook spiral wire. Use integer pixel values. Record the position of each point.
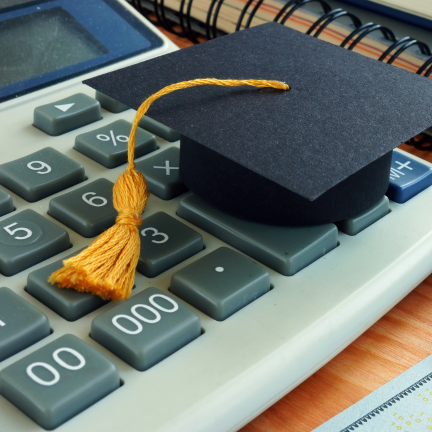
(209, 28)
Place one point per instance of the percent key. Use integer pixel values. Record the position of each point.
(108, 144)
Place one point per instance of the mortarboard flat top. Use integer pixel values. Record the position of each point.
(343, 112)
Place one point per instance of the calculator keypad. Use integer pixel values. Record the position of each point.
(26, 239)
(147, 328)
(68, 303)
(165, 242)
(162, 173)
(354, 225)
(41, 174)
(21, 324)
(284, 249)
(88, 210)
(108, 144)
(159, 129)
(408, 177)
(221, 283)
(6, 203)
(67, 114)
(58, 381)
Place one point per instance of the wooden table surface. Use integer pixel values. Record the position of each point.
(397, 341)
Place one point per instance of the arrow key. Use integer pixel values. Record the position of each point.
(67, 114)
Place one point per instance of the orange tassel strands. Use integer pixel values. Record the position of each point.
(107, 266)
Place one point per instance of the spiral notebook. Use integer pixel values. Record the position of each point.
(198, 20)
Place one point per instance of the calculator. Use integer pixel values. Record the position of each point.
(226, 316)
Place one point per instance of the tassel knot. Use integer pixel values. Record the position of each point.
(128, 217)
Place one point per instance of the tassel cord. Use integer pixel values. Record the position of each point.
(184, 85)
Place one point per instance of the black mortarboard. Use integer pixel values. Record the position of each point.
(318, 153)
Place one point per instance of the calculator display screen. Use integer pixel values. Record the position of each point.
(34, 44)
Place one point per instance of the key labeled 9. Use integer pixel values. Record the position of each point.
(39, 167)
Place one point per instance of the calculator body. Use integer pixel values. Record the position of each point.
(239, 367)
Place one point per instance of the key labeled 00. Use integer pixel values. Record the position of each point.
(58, 381)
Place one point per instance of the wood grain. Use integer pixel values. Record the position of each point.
(397, 341)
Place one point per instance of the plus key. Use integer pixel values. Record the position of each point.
(408, 177)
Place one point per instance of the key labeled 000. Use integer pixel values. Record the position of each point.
(147, 328)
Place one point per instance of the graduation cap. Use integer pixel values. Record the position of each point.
(318, 153)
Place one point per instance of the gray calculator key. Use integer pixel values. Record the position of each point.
(110, 104)
(58, 381)
(67, 114)
(41, 174)
(68, 303)
(147, 328)
(108, 145)
(88, 210)
(6, 203)
(26, 239)
(358, 223)
(159, 129)
(284, 249)
(165, 242)
(21, 324)
(162, 173)
(221, 283)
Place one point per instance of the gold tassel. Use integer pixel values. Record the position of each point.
(107, 266)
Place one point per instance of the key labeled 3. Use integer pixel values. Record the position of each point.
(58, 381)
(165, 242)
(41, 174)
(147, 328)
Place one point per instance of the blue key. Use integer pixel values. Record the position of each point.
(407, 178)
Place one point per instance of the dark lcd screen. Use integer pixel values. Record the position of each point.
(42, 42)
